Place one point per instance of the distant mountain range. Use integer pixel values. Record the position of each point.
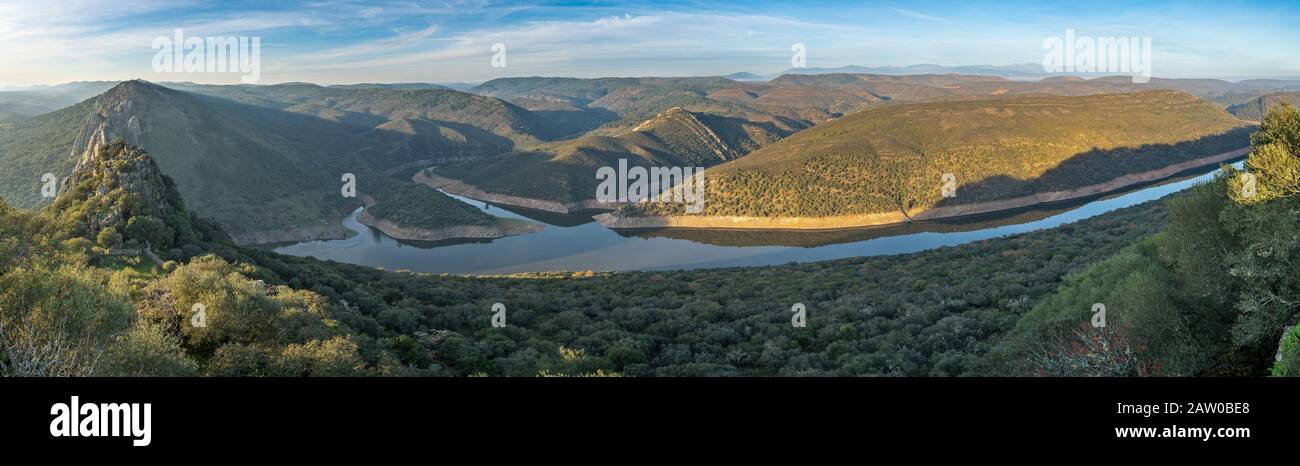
(1014, 71)
(1017, 71)
(22, 103)
(407, 86)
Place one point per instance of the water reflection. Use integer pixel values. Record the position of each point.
(577, 243)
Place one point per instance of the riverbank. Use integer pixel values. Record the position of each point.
(612, 221)
(502, 229)
(461, 188)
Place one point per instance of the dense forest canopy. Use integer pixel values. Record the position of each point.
(1215, 292)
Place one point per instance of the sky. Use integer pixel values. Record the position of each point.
(343, 41)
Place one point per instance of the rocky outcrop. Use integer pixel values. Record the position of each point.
(892, 218)
(113, 119)
(114, 182)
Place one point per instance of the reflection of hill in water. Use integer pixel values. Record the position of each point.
(438, 244)
(815, 238)
(810, 238)
(551, 218)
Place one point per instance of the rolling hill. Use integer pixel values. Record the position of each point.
(565, 172)
(915, 88)
(17, 105)
(363, 108)
(1256, 109)
(1016, 71)
(649, 122)
(265, 174)
(36, 146)
(283, 147)
(630, 101)
(891, 160)
(390, 86)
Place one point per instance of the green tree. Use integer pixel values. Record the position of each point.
(149, 230)
(109, 238)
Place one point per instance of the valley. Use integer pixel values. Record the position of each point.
(823, 189)
(317, 227)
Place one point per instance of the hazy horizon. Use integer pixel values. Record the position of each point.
(8, 87)
(343, 42)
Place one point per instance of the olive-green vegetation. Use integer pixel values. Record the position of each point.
(365, 107)
(19, 105)
(118, 196)
(696, 122)
(1204, 283)
(922, 87)
(34, 147)
(277, 155)
(1217, 292)
(930, 313)
(894, 158)
(566, 171)
(63, 315)
(633, 100)
(223, 156)
(419, 206)
(1257, 108)
(989, 307)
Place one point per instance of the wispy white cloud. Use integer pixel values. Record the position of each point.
(921, 16)
(400, 40)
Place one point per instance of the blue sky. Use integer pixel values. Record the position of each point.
(340, 41)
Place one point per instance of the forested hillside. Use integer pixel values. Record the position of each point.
(566, 171)
(895, 158)
(1216, 292)
(265, 174)
(1256, 109)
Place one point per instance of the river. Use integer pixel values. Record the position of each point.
(578, 244)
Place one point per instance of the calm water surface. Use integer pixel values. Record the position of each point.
(567, 243)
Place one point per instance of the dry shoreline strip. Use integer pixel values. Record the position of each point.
(612, 221)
